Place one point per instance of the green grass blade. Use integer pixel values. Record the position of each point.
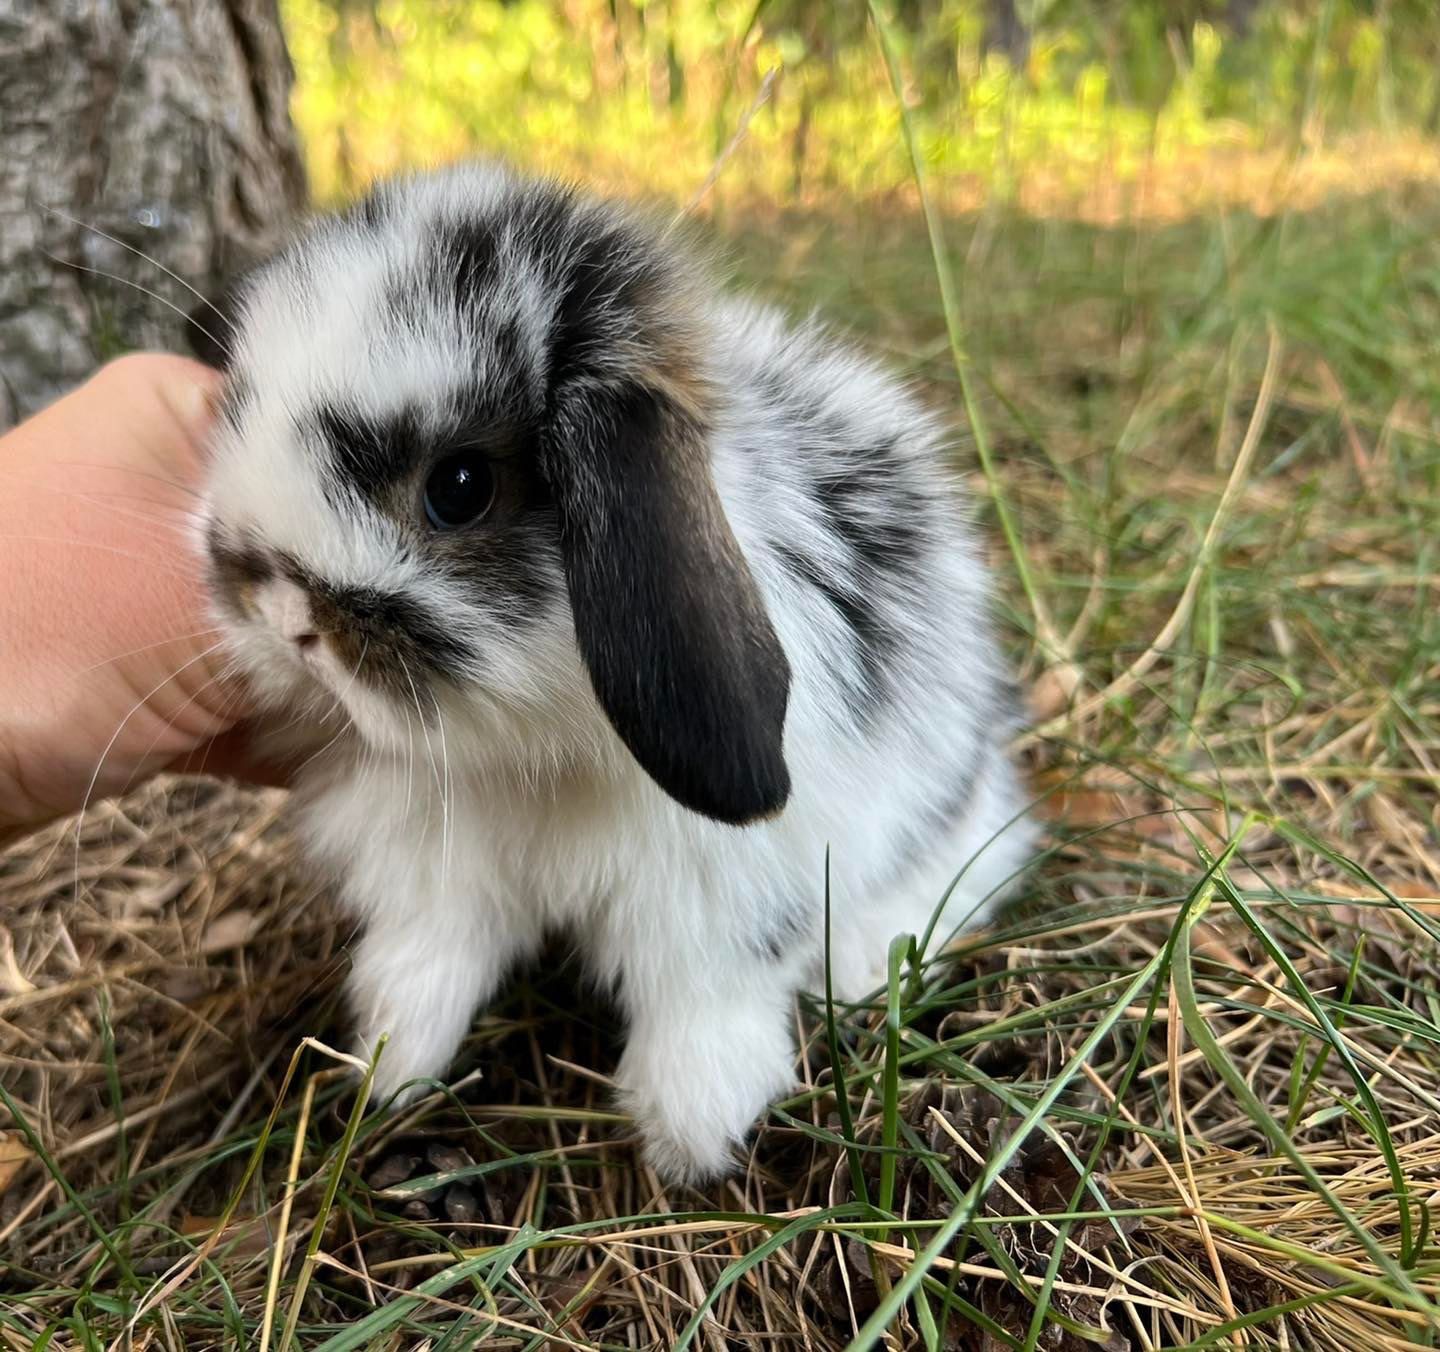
(1378, 1129)
(900, 946)
(757, 1255)
(1199, 1030)
(837, 1068)
(1302, 1081)
(52, 1167)
(874, 1327)
(1045, 629)
(327, 1202)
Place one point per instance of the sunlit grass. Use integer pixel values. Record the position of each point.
(643, 98)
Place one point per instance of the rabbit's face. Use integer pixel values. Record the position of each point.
(379, 533)
(460, 477)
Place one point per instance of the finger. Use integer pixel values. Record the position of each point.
(189, 390)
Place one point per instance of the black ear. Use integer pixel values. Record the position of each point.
(211, 326)
(671, 625)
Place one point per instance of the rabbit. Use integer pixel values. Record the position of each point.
(606, 603)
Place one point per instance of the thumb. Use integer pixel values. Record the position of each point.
(188, 392)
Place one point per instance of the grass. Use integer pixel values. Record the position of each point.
(1182, 1096)
(629, 93)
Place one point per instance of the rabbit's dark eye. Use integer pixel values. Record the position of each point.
(459, 491)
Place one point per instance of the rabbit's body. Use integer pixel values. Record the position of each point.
(532, 722)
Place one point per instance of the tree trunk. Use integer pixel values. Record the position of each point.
(162, 123)
(1240, 16)
(1006, 32)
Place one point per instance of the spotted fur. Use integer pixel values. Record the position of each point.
(725, 615)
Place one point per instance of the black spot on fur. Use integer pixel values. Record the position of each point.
(236, 562)
(388, 617)
(510, 366)
(508, 559)
(877, 515)
(870, 507)
(874, 642)
(368, 455)
(541, 221)
(592, 310)
(610, 286)
(512, 571)
(387, 639)
(471, 253)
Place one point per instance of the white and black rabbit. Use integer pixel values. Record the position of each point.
(611, 604)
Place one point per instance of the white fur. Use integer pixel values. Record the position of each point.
(465, 826)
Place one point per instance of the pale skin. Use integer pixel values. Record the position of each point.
(110, 669)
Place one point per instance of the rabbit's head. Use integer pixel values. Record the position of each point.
(461, 469)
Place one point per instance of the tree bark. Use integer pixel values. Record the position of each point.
(1240, 16)
(162, 123)
(1006, 32)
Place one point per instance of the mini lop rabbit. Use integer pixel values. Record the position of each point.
(608, 604)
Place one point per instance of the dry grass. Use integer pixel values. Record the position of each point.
(1184, 1096)
(148, 1024)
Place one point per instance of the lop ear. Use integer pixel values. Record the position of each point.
(671, 625)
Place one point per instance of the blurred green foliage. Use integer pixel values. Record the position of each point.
(648, 92)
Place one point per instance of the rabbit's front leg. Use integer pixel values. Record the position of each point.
(421, 970)
(708, 1048)
(437, 937)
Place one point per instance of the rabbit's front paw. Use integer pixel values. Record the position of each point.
(418, 994)
(697, 1084)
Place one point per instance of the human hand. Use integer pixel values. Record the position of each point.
(110, 669)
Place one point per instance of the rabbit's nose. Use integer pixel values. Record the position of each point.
(286, 609)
